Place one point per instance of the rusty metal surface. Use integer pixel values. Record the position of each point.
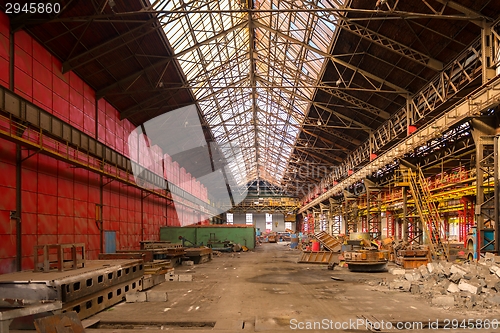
(152, 244)
(62, 323)
(366, 260)
(328, 241)
(92, 304)
(69, 285)
(11, 313)
(197, 251)
(319, 257)
(148, 255)
(127, 255)
(366, 256)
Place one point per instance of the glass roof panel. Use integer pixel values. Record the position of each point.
(250, 71)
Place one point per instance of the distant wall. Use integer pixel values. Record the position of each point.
(259, 220)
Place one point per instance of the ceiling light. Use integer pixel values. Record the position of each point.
(319, 122)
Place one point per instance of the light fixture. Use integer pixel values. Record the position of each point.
(319, 122)
(112, 4)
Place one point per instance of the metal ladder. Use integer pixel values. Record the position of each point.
(328, 241)
(427, 210)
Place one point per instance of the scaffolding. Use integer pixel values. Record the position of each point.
(427, 210)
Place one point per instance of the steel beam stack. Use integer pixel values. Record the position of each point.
(88, 290)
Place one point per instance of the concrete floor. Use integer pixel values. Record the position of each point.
(266, 290)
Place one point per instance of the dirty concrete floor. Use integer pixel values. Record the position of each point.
(266, 290)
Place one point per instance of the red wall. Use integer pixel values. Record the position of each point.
(58, 200)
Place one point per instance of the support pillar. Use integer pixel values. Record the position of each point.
(487, 53)
(487, 196)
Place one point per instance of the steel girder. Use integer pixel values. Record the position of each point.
(455, 76)
(485, 98)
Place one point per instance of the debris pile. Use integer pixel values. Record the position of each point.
(467, 285)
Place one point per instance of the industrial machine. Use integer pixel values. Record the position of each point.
(364, 256)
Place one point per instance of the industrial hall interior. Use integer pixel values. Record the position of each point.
(249, 165)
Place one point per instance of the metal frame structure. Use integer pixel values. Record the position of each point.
(274, 85)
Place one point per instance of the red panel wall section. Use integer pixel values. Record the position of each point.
(4, 49)
(59, 201)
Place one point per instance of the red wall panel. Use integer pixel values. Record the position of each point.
(24, 41)
(65, 207)
(42, 56)
(4, 72)
(7, 175)
(65, 225)
(42, 74)
(46, 224)
(29, 224)
(4, 24)
(47, 204)
(8, 248)
(7, 226)
(42, 96)
(23, 61)
(8, 201)
(59, 202)
(29, 202)
(23, 84)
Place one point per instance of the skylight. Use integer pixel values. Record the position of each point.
(253, 103)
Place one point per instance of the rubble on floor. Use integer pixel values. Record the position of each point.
(469, 285)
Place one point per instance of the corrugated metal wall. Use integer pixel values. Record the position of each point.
(58, 200)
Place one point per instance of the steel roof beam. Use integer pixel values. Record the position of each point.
(167, 59)
(466, 11)
(103, 48)
(332, 58)
(316, 104)
(357, 102)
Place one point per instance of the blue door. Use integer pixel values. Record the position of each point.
(109, 241)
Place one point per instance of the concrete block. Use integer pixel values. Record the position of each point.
(395, 284)
(455, 278)
(453, 288)
(185, 277)
(397, 271)
(482, 271)
(432, 267)
(489, 258)
(424, 272)
(406, 285)
(458, 269)
(493, 300)
(497, 287)
(413, 276)
(171, 277)
(445, 267)
(156, 296)
(465, 285)
(147, 282)
(494, 269)
(445, 301)
(497, 259)
(137, 297)
(188, 263)
(415, 288)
